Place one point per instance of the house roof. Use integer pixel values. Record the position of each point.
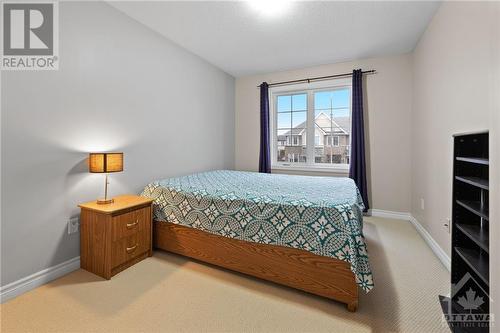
(341, 126)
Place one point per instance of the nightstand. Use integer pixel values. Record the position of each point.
(115, 236)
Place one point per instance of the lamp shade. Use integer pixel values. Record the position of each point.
(105, 162)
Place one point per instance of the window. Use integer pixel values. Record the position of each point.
(311, 125)
(336, 140)
(333, 140)
(291, 115)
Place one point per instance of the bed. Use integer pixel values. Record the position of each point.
(299, 231)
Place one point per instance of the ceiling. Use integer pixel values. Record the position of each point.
(243, 41)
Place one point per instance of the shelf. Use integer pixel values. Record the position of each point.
(477, 160)
(474, 181)
(476, 261)
(470, 223)
(474, 207)
(476, 234)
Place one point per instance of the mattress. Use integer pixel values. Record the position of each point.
(322, 215)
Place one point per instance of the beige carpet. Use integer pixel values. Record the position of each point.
(169, 293)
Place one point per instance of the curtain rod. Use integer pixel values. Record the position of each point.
(371, 71)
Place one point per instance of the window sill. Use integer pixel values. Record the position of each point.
(343, 170)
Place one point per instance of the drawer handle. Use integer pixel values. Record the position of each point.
(131, 249)
(131, 225)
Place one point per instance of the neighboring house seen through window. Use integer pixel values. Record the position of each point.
(311, 125)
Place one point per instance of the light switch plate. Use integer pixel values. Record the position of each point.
(73, 225)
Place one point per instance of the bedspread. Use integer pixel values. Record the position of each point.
(322, 215)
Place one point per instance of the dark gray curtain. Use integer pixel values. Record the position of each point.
(357, 169)
(265, 154)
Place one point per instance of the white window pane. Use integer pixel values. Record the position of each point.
(341, 98)
(341, 125)
(332, 119)
(282, 132)
(281, 157)
(284, 103)
(322, 100)
(342, 112)
(299, 119)
(299, 102)
(323, 121)
(284, 120)
(294, 149)
(336, 151)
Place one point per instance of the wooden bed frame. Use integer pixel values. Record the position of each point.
(319, 275)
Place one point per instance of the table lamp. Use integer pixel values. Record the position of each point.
(105, 163)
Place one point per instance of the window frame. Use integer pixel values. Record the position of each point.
(309, 89)
(338, 140)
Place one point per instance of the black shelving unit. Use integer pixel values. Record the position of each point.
(470, 236)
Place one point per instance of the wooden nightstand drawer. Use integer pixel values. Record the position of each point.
(115, 236)
(130, 247)
(127, 224)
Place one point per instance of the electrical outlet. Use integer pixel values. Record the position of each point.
(422, 204)
(73, 225)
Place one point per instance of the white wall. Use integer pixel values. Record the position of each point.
(387, 116)
(120, 87)
(452, 94)
(456, 89)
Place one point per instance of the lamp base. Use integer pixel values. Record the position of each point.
(104, 201)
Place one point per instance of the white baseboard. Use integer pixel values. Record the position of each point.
(438, 251)
(389, 214)
(37, 279)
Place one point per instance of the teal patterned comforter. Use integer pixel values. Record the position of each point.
(322, 215)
